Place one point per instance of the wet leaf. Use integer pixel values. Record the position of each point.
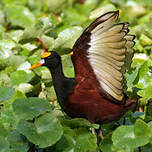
(67, 37)
(19, 15)
(4, 145)
(44, 132)
(6, 93)
(17, 142)
(19, 77)
(85, 141)
(6, 48)
(30, 108)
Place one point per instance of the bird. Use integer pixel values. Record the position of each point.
(100, 57)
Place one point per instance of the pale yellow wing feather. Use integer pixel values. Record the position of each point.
(110, 44)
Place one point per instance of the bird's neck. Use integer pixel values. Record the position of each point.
(58, 79)
(60, 83)
(57, 74)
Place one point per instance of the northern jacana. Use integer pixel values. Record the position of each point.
(100, 57)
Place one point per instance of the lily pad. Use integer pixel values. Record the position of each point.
(18, 77)
(17, 142)
(19, 15)
(30, 108)
(44, 132)
(67, 37)
(6, 93)
(6, 48)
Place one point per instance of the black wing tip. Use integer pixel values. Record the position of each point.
(133, 43)
(127, 24)
(98, 20)
(116, 12)
(110, 12)
(134, 36)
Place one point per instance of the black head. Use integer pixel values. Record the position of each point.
(49, 59)
(52, 61)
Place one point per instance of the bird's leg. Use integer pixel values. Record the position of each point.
(118, 123)
(93, 131)
(99, 135)
(139, 149)
(124, 121)
(32, 148)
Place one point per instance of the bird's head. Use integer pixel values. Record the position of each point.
(49, 59)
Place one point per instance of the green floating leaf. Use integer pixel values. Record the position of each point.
(19, 15)
(143, 131)
(144, 81)
(103, 9)
(149, 110)
(130, 137)
(25, 66)
(48, 41)
(67, 66)
(44, 132)
(4, 145)
(85, 141)
(65, 144)
(18, 77)
(6, 93)
(30, 47)
(43, 26)
(16, 35)
(67, 37)
(87, 7)
(14, 61)
(17, 143)
(24, 87)
(106, 144)
(53, 5)
(146, 92)
(30, 108)
(2, 22)
(130, 78)
(145, 40)
(4, 79)
(73, 17)
(124, 137)
(3, 131)
(17, 94)
(139, 59)
(8, 118)
(79, 122)
(146, 148)
(15, 1)
(150, 124)
(6, 48)
(69, 72)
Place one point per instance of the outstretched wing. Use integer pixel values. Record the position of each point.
(108, 48)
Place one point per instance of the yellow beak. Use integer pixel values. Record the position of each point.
(44, 55)
(36, 65)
